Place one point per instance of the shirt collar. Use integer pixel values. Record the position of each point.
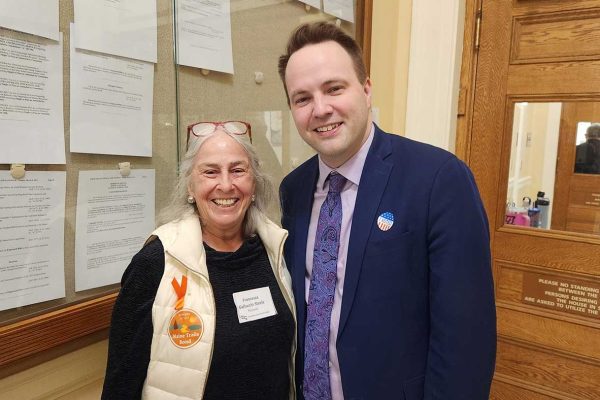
(351, 169)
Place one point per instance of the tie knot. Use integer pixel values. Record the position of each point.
(336, 181)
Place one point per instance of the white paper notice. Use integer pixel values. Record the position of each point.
(32, 223)
(204, 34)
(38, 17)
(343, 9)
(115, 216)
(315, 3)
(111, 104)
(124, 28)
(31, 102)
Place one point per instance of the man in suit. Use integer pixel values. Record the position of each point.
(408, 307)
(587, 154)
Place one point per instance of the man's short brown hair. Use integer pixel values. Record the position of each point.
(319, 32)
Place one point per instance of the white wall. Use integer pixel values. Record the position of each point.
(434, 71)
(390, 50)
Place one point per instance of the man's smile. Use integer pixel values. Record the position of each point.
(327, 130)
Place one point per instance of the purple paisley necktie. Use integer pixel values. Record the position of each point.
(320, 298)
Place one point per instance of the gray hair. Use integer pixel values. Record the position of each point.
(593, 131)
(179, 208)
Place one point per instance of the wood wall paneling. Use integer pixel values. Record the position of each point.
(556, 37)
(567, 375)
(503, 390)
(561, 78)
(35, 335)
(580, 341)
(540, 7)
(543, 248)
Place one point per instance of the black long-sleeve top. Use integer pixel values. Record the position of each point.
(249, 361)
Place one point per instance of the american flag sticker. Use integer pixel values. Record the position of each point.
(385, 221)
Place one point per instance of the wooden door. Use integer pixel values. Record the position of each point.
(547, 280)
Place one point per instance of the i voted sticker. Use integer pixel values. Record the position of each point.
(385, 221)
(254, 304)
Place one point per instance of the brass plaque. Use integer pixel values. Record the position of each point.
(561, 294)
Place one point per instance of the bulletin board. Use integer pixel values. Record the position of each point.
(182, 95)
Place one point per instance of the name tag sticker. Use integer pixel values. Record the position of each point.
(254, 304)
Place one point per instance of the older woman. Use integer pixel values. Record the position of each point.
(205, 309)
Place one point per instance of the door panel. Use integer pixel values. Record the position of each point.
(554, 78)
(503, 391)
(547, 281)
(541, 370)
(577, 195)
(562, 36)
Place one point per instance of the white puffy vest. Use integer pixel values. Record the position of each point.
(181, 374)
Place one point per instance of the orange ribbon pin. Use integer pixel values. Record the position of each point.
(180, 291)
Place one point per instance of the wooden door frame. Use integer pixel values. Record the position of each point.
(468, 73)
(364, 24)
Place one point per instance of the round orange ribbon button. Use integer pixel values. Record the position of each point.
(185, 328)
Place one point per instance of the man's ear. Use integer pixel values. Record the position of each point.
(367, 90)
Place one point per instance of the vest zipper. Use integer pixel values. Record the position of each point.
(214, 304)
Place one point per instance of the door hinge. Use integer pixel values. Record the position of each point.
(477, 29)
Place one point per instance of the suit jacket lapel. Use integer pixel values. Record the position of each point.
(303, 202)
(373, 181)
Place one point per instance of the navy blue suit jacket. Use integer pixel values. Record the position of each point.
(418, 317)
